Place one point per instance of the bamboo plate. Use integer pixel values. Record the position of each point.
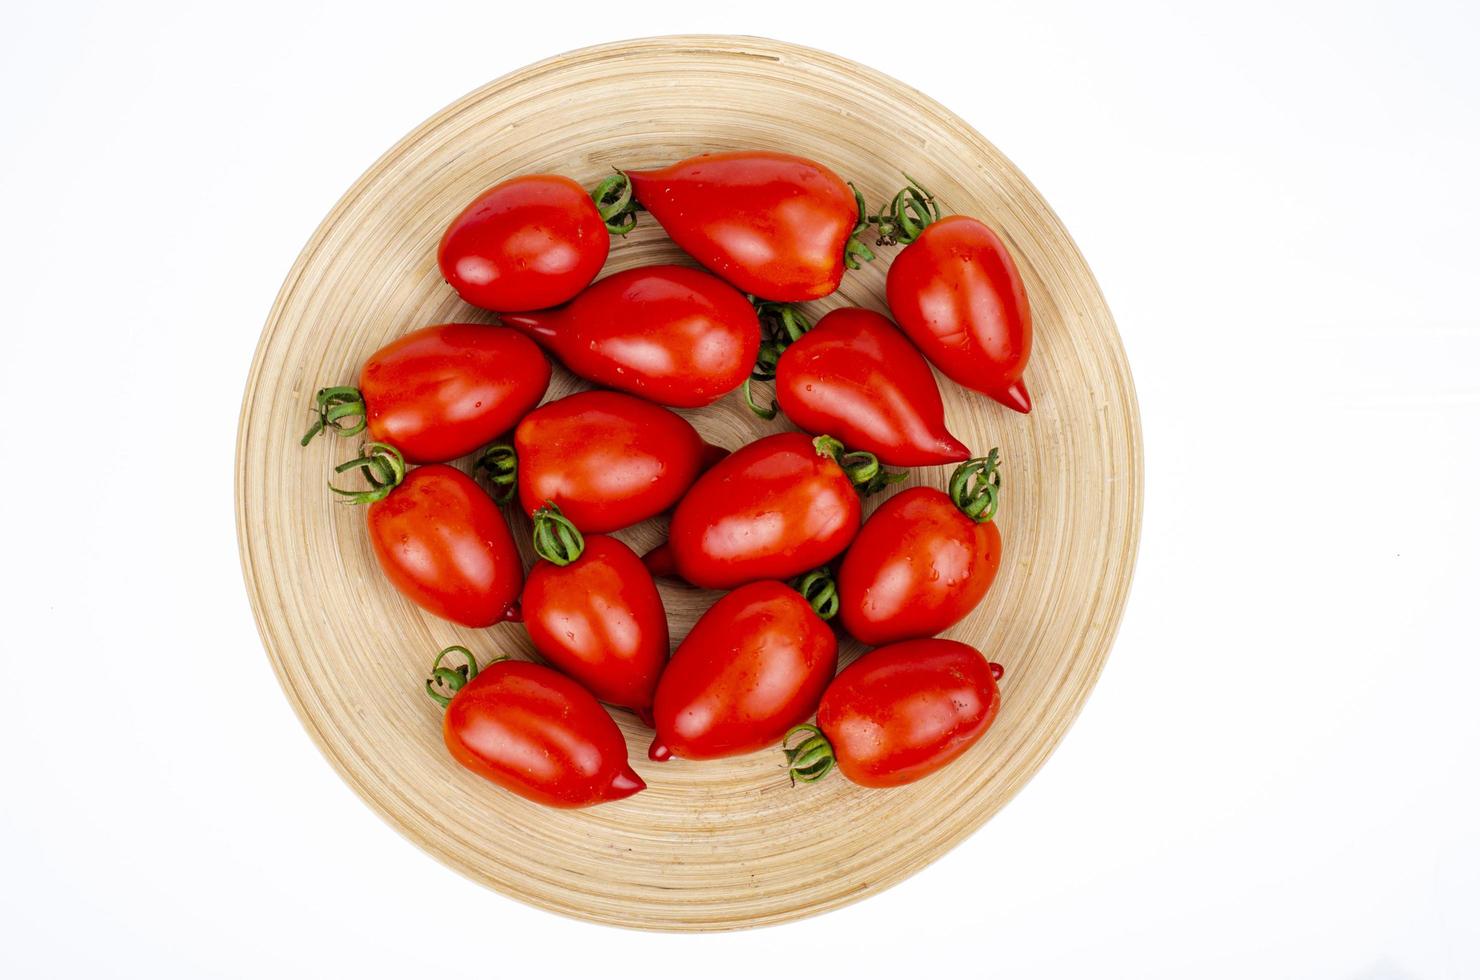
(716, 845)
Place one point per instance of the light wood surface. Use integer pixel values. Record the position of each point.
(717, 845)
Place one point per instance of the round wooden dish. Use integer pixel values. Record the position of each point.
(718, 845)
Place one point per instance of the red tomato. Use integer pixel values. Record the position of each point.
(753, 666)
(525, 244)
(857, 377)
(957, 293)
(439, 392)
(673, 335)
(774, 509)
(777, 226)
(899, 713)
(924, 559)
(592, 610)
(533, 732)
(606, 459)
(439, 539)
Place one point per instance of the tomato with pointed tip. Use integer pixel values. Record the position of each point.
(857, 377)
(439, 392)
(898, 714)
(955, 290)
(924, 559)
(439, 538)
(773, 509)
(608, 460)
(532, 731)
(752, 667)
(525, 244)
(674, 335)
(592, 611)
(776, 225)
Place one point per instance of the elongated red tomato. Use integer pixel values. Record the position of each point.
(957, 293)
(924, 559)
(777, 226)
(606, 459)
(439, 392)
(855, 376)
(673, 335)
(525, 244)
(439, 538)
(771, 510)
(592, 611)
(531, 731)
(898, 713)
(753, 666)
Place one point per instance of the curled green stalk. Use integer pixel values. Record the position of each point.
(615, 203)
(383, 467)
(340, 409)
(908, 214)
(863, 469)
(821, 592)
(782, 324)
(499, 464)
(975, 487)
(857, 252)
(556, 539)
(811, 757)
(445, 682)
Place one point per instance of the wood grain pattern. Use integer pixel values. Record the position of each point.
(716, 845)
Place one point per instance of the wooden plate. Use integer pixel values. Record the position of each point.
(715, 845)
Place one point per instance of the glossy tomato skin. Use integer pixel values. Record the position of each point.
(446, 547)
(607, 459)
(600, 620)
(770, 510)
(673, 335)
(525, 244)
(903, 711)
(774, 225)
(540, 735)
(856, 377)
(917, 567)
(956, 292)
(442, 391)
(753, 666)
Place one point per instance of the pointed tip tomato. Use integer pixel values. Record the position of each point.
(955, 290)
(773, 224)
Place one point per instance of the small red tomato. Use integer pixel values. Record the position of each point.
(957, 293)
(606, 459)
(439, 392)
(592, 610)
(753, 666)
(898, 713)
(774, 509)
(854, 375)
(924, 559)
(777, 226)
(439, 538)
(673, 335)
(525, 244)
(532, 731)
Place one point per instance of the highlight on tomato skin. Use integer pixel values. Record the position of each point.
(531, 730)
(526, 243)
(897, 714)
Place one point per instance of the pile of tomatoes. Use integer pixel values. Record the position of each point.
(777, 524)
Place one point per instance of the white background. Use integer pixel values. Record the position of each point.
(1277, 775)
